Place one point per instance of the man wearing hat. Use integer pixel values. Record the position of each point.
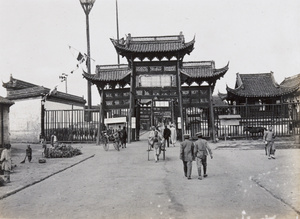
(187, 155)
(201, 151)
(269, 137)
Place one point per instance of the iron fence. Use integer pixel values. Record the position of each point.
(71, 125)
(284, 117)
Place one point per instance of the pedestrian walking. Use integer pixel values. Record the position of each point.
(6, 162)
(156, 139)
(161, 128)
(187, 155)
(269, 137)
(201, 151)
(167, 134)
(123, 137)
(173, 137)
(150, 138)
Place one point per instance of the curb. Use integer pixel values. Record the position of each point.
(44, 178)
(275, 196)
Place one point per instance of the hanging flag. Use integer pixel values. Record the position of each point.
(80, 58)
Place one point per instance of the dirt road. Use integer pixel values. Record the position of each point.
(124, 184)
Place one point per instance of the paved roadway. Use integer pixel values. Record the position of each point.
(125, 184)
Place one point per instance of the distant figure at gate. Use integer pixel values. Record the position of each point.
(173, 138)
(167, 134)
(53, 140)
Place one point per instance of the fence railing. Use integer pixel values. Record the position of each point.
(284, 117)
(71, 125)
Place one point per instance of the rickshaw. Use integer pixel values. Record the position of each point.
(107, 139)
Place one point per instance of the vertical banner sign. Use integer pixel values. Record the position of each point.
(133, 122)
(179, 122)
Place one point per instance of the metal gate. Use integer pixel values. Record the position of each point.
(71, 125)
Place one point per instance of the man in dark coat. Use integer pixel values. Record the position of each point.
(167, 134)
(187, 155)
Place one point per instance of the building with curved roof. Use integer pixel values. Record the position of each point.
(259, 88)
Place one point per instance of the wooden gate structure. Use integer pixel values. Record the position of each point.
(156, 85)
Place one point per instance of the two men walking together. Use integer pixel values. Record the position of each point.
(189, 151)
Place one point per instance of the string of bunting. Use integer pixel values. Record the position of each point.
(81, 58)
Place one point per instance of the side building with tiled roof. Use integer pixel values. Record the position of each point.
(292, 82)
(258, 88)
(27, 116)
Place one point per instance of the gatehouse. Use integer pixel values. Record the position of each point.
(157, 86)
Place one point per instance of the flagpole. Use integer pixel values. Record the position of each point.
(117, 20)
(89, 84)
(87, 7)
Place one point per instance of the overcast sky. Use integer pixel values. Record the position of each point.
(255, 36)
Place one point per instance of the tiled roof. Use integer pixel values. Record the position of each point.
(111, 72)
(222, 96)
(202, 69)
(118, 73)
(291, 81)
(259, 85)
(27, 92)
(68, 97)
(18, 89)
(17, 84)
(153, 44)
(4, 101)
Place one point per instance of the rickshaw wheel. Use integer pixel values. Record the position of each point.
(104, 143)
(116, 145)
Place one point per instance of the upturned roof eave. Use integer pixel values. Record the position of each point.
(126, 51)
(94, 79)
(217, 73)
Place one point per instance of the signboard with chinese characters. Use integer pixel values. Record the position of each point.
(230, 119)
(195, 96)
(116, 98)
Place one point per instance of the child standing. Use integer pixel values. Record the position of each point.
(6, 162)
(29, 153)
